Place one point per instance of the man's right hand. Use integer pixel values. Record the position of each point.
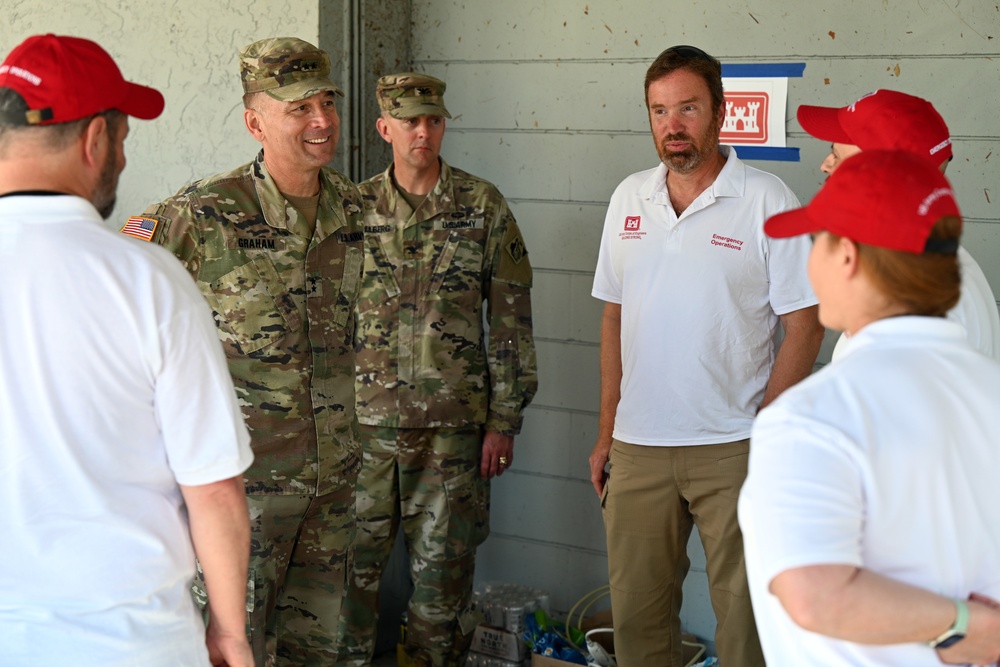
(228, 650)
(598, 459)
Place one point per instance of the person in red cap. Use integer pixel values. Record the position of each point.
(113, 484)
(869, 517)
(889, 119)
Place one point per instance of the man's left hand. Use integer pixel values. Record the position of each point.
(498, 454)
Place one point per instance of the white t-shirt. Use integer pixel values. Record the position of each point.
(113, 390)
(700, 296)
(886, 459)
(976, 310)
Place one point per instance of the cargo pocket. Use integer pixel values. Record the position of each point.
(255, 305)
(256, 621)
(468, 502)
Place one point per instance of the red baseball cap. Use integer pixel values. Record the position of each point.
(886, 119)
(67, 78)
(889, 199)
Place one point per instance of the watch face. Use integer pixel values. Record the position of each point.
(950, 641)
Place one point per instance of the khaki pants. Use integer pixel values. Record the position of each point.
(653, 497)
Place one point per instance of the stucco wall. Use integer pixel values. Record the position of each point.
(187, 50)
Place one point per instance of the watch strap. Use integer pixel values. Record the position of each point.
(957, 630)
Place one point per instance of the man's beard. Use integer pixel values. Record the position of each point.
(699, 152)
(105, 193)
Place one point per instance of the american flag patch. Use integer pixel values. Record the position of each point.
(140, 227)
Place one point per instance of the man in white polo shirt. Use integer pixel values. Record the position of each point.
(695, 292)
(123, 446)
(888, 119)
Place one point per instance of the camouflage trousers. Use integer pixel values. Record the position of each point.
(299, 548)
(428, 480)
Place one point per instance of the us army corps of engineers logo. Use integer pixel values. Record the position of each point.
(633, 224)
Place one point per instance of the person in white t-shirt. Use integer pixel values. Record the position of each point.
(869, 513)
(123, 446)
(889, 119)
(695, 293)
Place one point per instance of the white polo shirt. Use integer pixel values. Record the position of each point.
(700, 296)
(976, 310)
(886, 459)
(113, 390)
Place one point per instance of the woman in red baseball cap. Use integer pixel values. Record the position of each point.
(871, 530)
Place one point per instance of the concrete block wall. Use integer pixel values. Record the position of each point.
(548, 104)
(187, 50)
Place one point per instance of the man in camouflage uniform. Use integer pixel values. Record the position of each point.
(439, 399)
(276, 247)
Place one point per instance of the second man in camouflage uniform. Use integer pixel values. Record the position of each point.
(439, 398)
(276, 248)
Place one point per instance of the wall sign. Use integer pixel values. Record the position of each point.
(756, 100)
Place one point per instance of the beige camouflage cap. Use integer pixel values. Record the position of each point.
(286, 68)
(409, 95)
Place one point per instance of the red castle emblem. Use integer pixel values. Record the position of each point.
(746, 118)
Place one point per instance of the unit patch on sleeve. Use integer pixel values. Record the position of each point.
(140, 227)
(514, 265)
(517, 250)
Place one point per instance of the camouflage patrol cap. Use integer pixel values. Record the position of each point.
(409, 95)
(286, 68)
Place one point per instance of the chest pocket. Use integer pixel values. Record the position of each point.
(255, 304)
(458, 268)
(378, 283)
(350, 284)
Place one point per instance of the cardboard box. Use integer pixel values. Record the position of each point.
(605, 639)
(498, 643)
(692, 645)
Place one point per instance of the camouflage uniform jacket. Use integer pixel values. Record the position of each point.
(423, 359)
(283, 296)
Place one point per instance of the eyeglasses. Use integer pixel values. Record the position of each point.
(686, 51)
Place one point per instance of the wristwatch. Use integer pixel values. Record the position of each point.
(956, 632)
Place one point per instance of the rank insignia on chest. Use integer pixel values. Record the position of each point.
(140, 227)
(517, 250)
